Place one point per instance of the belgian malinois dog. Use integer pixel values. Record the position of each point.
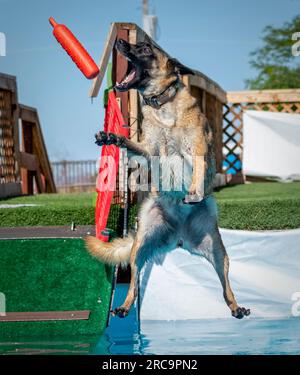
(173, 125)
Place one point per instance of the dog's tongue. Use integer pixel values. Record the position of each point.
(127, 79)
(130, 76)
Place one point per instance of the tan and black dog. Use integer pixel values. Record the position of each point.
(173, 126)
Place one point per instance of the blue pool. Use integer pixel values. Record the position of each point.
(217, 336)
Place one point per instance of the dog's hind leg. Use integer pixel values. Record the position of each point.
(220, 261)
(155, 233)
(205, 240)
(123, 310)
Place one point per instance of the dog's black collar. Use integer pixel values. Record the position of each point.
(156, 101)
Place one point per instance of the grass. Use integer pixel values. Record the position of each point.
(257, 206)
(51, 209)
(260, 206)
(58, 209)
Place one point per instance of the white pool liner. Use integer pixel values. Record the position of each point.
(264, 275)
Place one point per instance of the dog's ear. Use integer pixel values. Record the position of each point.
(147, 39)
(179, 68)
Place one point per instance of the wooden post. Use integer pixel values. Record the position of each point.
(27, 175)
(30, 118)
(203, 102)
(109, 45)
(134, 99)
(219, 136)
(118, 73)
(119, 69)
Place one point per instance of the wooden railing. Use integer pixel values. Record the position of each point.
(73, 176)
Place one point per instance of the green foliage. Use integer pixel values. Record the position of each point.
(276, 66)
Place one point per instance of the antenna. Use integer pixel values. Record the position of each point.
(145, 7)
(149, 21)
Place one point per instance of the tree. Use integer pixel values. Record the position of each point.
(277, 67)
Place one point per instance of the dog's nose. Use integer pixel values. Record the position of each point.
(121, 43)
(122, 46)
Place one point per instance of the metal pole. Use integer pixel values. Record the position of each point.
(126, 200)
(145, 7)
(149, 21)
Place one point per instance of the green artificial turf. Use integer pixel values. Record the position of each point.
(50, 209)
(59, 209)
(53, 275)
(256, 206)
(260, 206)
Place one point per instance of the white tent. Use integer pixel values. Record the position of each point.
(271, 144)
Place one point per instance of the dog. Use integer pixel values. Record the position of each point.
(173, 125)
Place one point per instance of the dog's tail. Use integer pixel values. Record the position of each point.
(113, 253)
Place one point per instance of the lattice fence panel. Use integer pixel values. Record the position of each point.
(7, 154)
(233, 129)
(232, 138)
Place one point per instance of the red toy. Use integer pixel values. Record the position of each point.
(74, 49)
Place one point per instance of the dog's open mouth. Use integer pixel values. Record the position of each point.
(129, 77)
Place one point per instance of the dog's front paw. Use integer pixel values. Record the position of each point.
(114, 139)
(121, 312)
(192, 198)
(193, 195)
(101, 138)
(240, 312)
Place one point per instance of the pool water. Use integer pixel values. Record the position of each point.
(215, 336)
(211, 336)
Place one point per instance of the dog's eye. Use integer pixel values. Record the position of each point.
(147, 50)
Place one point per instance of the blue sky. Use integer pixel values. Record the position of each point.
(213, 36)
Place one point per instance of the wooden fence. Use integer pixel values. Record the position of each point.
(75, 176)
